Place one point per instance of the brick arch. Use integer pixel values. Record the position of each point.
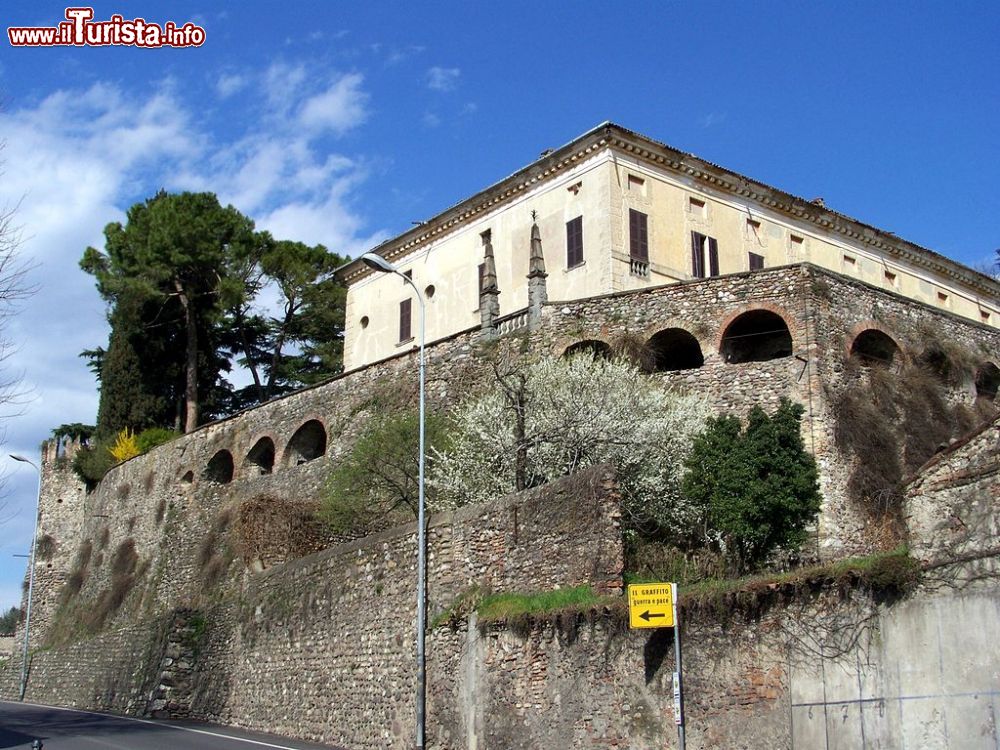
(596, 348)
(776, 342)
(675, 347)
(790, 321)
(987, 381)
(306, 443)
(260, 458)
(872, 325)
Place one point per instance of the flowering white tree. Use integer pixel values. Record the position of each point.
(557, 416)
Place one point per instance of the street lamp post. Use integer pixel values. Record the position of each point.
(31, 575)
(380, 264)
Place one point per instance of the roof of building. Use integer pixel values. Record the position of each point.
(713, 176)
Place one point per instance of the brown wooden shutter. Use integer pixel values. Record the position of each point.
(404, 320)
(713, 257)
(697, 255)
(638, 235)
(574, 242)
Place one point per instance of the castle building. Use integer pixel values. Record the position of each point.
(615, 211)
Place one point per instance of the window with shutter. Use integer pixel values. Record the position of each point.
(697, 255)
(638, 235)
(574, 242)
(404, 321)
(704, 255)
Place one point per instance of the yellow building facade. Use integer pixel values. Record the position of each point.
(617, 211)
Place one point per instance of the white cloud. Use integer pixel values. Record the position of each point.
(230, 83)
(431, 120)
(712, 118)
(443, 79)
(80, 157)
(342, 106)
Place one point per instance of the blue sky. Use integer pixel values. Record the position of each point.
(342, 123)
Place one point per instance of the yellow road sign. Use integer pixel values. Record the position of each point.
(650, 605)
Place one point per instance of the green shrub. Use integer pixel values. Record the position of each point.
(92, 463)
(376, 484)
(756, 488)
(154, 436)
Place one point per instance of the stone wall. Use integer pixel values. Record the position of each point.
(334, 628)
(186, 628)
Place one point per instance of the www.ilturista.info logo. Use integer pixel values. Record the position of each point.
(79, 30)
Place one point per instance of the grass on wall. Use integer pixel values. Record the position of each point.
(886, 576)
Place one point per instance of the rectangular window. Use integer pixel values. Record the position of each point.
(696, 207)
(849, 262)
(890, 279)
(405, 331)
(796, 241)
(638, 235)
(574, 242)
(985, 316)
(942, 298)
(636, 183)
(753, 228)
(756, 262)
(704, 256)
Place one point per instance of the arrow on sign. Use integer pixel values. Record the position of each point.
(647, 615)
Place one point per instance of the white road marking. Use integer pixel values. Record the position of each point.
(158, 724)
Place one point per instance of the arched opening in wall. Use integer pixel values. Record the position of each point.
(308, 442)
(987, 381)
(593, 348)
(675, 349)
(188, 477)
(872, 348)
(220, 468)
(756, 336)
(260, 459)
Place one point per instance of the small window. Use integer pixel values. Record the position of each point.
(429, 291)
(404, 321)
(756, 262)
(984, 316)
(890, 279)
(704, 256)
(753, 228)
(796, 242)
(696, 206)
(942, 298)
(574, 242)
(638, 235)
(364, 321)
(850, 262)
(408, 274)
(636, 183)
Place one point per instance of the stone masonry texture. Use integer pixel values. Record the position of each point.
(321, 646)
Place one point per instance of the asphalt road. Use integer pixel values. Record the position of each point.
(69, 729)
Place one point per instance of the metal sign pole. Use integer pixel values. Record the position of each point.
(678, 689)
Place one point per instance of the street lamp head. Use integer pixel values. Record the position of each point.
(378, 263)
